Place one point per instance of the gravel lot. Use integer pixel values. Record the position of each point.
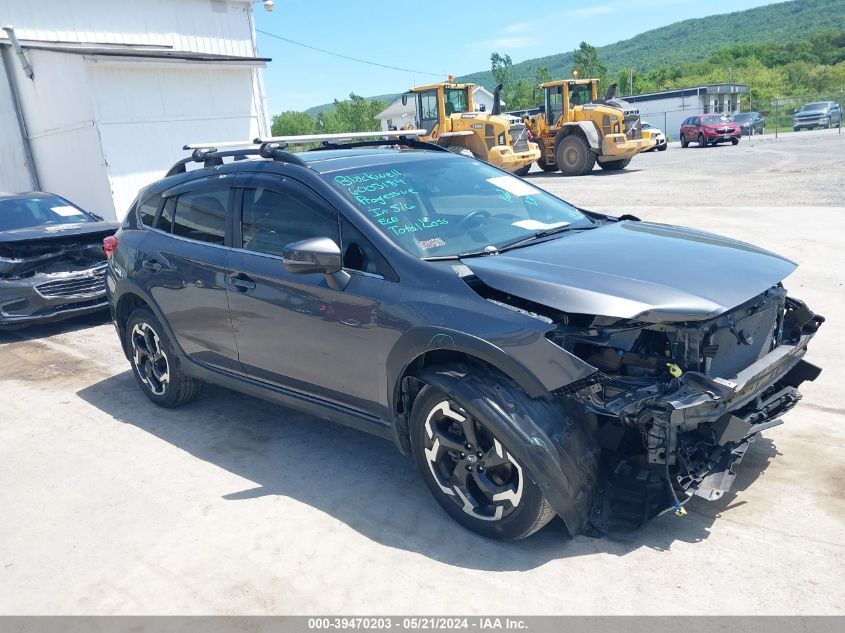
(233, 505)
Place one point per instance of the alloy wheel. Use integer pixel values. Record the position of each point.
(149, 358)
(469, 465)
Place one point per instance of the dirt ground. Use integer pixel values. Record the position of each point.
(232, 505)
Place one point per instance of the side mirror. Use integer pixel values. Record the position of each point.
(405, 98)
(316, 255)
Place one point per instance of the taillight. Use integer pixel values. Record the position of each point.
(109, 245)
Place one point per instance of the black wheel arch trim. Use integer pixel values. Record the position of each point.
(127, 288)
(546, 435)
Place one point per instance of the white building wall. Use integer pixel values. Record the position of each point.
(145, 113)
(14, 175)
(102, 128)
(64, 140)
(222, 27)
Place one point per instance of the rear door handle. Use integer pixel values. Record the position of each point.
(152, 265)
(241, 282)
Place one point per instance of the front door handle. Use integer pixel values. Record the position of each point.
(241, 282)
(152, 265)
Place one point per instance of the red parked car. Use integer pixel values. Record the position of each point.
(709, 129)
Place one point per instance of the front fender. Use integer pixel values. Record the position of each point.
(546, 435)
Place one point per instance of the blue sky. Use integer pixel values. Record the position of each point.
(414, 36)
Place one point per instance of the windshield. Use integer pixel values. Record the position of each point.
(715, 119)
(456, 100)
(814, 106)
(27, 212)
(449, 206)
(742, 117)
(579, 94)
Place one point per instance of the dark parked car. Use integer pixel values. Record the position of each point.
(750, 122)
(52, 264)
(817, 114)
(534, 358)
(709, 129)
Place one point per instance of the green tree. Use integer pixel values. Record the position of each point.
(502, 68)
(355, 114)
(292, 123)
(585, 60)
(542, 75)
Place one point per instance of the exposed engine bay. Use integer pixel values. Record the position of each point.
(52, 275)
(674, 406)
(19, 260)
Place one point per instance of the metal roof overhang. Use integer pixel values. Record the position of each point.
(144, 54)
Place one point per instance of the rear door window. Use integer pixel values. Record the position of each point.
(201, 215)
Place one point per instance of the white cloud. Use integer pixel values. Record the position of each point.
(587, 12)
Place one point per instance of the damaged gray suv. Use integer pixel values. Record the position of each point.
(534, 358)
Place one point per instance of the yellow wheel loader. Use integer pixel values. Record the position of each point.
(577, 129)
(447, 112)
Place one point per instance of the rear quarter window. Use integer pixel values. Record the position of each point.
(147, 211)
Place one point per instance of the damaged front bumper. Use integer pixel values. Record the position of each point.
(695, 435)
(48, 297)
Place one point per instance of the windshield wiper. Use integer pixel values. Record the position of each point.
(520, 241)
(528, 239)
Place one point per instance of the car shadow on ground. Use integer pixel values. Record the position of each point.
(367, 484)
(45, 330)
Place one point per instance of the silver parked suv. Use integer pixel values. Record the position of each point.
(817, 114)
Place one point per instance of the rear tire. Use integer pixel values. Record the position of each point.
(615, 165)
(470, 473)
(734, 141)
(155, 364)
(684, 141)
(574, 156)
(522, 171)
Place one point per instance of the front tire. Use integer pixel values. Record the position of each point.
(663, 147)
(701, 141)
(615, 165)
(542, 164)
(734, 141)
(523, 171)
(574, 156)
(470, 473)
(155, 364)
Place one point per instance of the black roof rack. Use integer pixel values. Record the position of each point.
(212, 157)
(406, 141)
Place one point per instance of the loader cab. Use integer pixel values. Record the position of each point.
(438, 102)
(562, 96)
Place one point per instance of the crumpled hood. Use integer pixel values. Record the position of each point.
(635, 270)
(58, 231)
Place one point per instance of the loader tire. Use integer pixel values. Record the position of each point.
(615, 165)
(522, 171)
(574, 156)
(542, 164)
